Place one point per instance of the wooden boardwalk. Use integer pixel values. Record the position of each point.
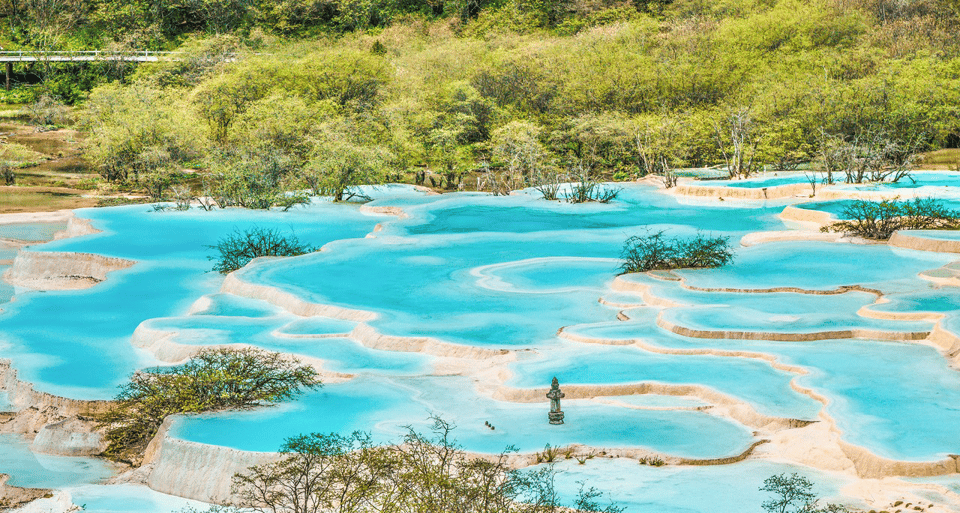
(85, 56)
(12, 56)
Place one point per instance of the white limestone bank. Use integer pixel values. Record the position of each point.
(196, 471)
(704, 190)
(41, 270)
(76, 227)
(58, 425)
(908, 240)
(290, 302)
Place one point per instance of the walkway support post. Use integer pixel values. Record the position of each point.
(9, 72)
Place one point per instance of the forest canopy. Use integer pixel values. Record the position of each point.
(325, 95)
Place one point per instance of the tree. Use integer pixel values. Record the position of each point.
(341, 163)
(422, 473)
(794, 494)
(221, 99)
(214, 379)
(318, 473)
(138, 129)
(518, 146)
(239, 248)
(737, 140)
(657, 143)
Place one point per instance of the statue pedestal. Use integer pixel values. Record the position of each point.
(556, 417)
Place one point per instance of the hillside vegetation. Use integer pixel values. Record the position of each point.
(323, 95)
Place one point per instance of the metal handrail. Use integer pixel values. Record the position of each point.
(137, 53)
(86, 55)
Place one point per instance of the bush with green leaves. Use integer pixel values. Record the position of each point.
(240, 247)
(7, 174)
(213, 380)
(794, 494)
(421, 472)
(654, 251)
(880, 219)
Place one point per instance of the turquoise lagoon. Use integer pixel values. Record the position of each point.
(507, 273)
(762, 181)
(30, 470)
(385, 406)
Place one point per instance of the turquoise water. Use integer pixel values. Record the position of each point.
(762, 181)
(30, 470)
(508, 273)
(129, 498)
(234, 306)
(936, 234)
(931, 299)
(836, 208)
(881, 390)
(31, 232)
(385, 406)
(81, 327)
(273, 333)
(818, 266)
(747, 379)
(918, 179)
(712, 489)
(785, 312)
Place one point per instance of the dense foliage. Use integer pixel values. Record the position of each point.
(215, 379)
(655, 252)
(240, 247)
(422, 473)
(502, 91)
(879, 219)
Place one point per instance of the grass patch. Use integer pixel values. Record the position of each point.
(19, 156)
(945, 157)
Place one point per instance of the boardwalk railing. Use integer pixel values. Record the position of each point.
(86, 56)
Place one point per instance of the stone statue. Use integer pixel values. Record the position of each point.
(555, 415)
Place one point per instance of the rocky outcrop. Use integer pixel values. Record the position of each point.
(907, 240)
(813, 218)
(61, 271)
(35, 410)
(870, 465)
(14, 496)
(76, 227)
(70, 437)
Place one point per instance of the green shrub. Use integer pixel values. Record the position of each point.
(654, 251)
(879, 219)
(215, 379)
(794, 494)
(7, 174)
(420, 472)
(239, 248)
(586, 189)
